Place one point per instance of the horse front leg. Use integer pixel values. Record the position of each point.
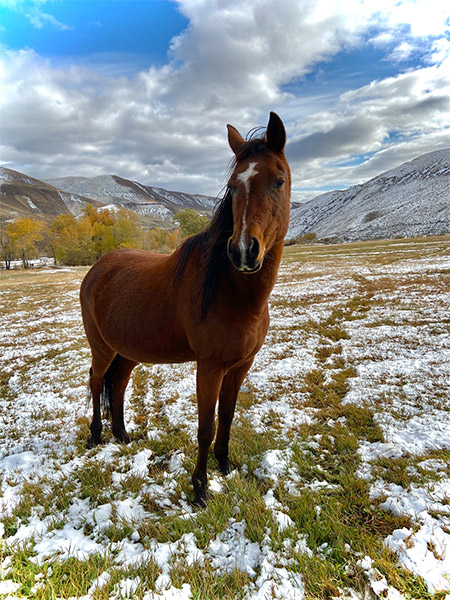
(209, 381)
(227, 403)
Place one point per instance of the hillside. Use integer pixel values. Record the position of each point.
(21, 195)
(142, 199)
(410, 200)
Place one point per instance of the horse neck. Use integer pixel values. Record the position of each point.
(256, 288)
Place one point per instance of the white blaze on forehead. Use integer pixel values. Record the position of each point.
(247, 175)
(245, 178)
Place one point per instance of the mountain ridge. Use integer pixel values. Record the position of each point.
(22, 195)
(408, 200)
(142, 199)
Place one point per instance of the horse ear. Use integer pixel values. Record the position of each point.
(276, 134)
(235, 139)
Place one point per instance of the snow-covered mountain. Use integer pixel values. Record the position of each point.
(410, 200)
(143, 199)
(22, 195)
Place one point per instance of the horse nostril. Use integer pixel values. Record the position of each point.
(253, 247)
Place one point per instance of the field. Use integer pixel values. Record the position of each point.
(340, 445)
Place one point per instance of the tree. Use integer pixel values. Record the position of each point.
(80, 241)
(6, 245)
(190, 221)
(161, 240)
(126, 231)
(23, 235)
(71, 240)
(113, 229)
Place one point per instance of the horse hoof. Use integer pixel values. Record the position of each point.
(122, 436)
(201, 494)
(200, 500)
(224, 467)
(92, 442)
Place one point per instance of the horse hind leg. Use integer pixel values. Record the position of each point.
(100, 364)
(116, 381)
(108, 381)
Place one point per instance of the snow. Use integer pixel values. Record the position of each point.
(401, 350)
(30, 203)
(425, 553)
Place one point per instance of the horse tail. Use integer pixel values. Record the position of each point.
(107, 391)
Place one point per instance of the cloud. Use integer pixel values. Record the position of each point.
(40, 20)
(166, 125)
(32, 10)
(402, 116)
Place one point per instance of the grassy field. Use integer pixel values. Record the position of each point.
(340, 445)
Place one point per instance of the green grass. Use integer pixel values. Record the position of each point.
(330, 506)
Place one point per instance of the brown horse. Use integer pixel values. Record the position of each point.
(206, 302)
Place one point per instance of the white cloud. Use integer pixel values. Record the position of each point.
(166, 125)
(40, 20)
(32, 10)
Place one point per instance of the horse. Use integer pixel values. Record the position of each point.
(206, 302)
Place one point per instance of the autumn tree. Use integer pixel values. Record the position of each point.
(22, 236)
(71, 240)
(161, 240)
(81, 240)
(5, 245)
(190, 221)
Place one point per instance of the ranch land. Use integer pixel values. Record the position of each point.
(340, 445)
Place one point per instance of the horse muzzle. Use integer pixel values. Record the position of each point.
(245, 256)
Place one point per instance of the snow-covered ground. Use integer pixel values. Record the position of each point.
(399, 346)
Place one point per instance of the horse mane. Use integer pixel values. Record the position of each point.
(211, 243)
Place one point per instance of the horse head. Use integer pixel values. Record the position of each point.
(260, 189)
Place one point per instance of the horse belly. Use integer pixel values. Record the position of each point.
(150, 338)
(129, 302)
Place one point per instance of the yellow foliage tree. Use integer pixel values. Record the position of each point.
(161, 240)
(23, 236)
(82, 240)
(71, 240)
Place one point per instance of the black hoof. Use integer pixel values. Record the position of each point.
(122, 436)
(224, 465)
(200, 500)
(93, 441)
(201, 494)
(224, 468)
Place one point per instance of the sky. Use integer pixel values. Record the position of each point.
(144, 89)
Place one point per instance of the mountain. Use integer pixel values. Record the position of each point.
(410, 200)
(142, 199)
(21, 195)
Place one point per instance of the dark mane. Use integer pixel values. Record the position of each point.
(211, 243)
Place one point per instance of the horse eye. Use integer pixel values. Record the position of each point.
(278, 184)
